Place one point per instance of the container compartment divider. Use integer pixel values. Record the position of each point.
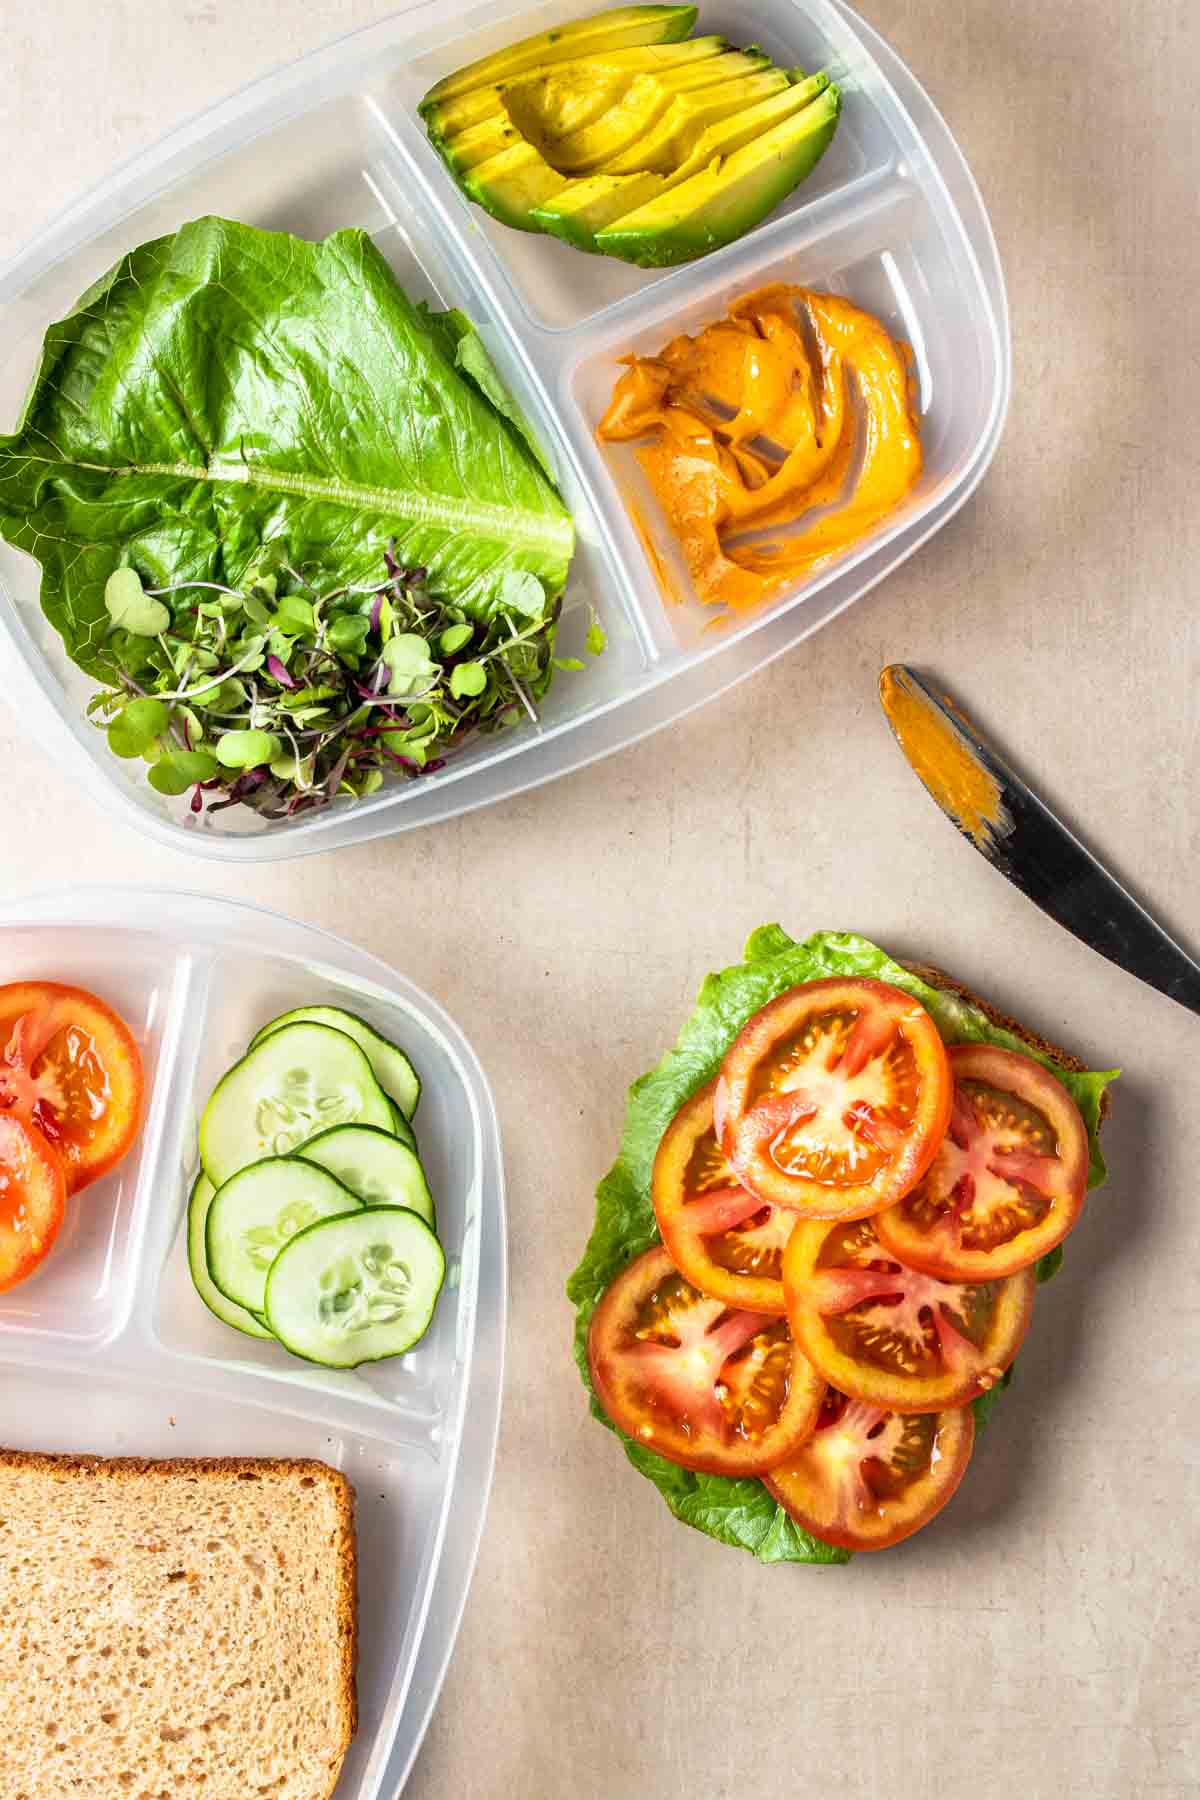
(510, 341)
(168, 1126)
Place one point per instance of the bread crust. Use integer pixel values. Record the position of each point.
(258, 1468)
(947, 984)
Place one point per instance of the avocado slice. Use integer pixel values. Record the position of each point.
(518, 176)
(644, 101)
(730, 197)
(584, 206)
(512, 183)
(687, 118)
(578, 90)
(452, 116)
(587, 205)
(620, 28)
(474, 145)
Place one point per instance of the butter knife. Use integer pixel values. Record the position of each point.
(1019, 835)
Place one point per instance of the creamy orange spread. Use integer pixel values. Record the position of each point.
(797, 401)
(959, 784)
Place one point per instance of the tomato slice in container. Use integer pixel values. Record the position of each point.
(1009, 1180)
(868, 1477)
(33, 1192)
(70, 1067)
(724, 1239)
(890, 1335)
(834, 1098)
(713, 1389)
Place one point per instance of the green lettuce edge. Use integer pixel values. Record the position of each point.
(742, 1513)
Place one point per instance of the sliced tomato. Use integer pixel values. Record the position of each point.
(1009, 1180)
(33, 1192)
(891, 1336)
(70, 1067)
(834, 1098)
(723, 1238)
(712, 1389)
(867, 1477)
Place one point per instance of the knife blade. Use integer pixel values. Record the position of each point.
(1019, 835)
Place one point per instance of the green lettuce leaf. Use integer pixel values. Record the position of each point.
(742, 1513)
(471, 357)
(226, 392)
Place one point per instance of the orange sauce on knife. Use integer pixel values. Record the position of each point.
(960, 785)
(762, 418)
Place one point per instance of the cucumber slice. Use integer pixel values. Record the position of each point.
(257, 1212)
(373, 1165)
(302, 1079)
(402, 1129)
(228, 1311)
(392, 1069)
(354, 1290)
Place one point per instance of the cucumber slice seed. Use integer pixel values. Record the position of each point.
(391, 1067)
(257, 1212)
(228, 1311)
(374, 1165)
(355, 1289)
(300, 1080)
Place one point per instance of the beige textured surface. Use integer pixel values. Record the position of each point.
(1043, 1640)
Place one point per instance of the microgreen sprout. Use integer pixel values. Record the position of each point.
(131, 608)
(280, 696)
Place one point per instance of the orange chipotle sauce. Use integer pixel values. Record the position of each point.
(961, 785)
(754, 423)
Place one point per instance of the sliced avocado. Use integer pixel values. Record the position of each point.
(679, 130)
(725, 67)
(511, 184)
(642, 104)
(730, 197)
(477, 143)
(632, 110)
(621, 28)
(586, 206)
(558, 91)
(578, 90)
(442, 122)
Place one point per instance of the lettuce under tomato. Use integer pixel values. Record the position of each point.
(743, 1513)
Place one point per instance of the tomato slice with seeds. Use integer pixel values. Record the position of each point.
(724, 1239)
(33, 1192)
(868, 1477)
(1009, 1181)
(890, 1335)
(717, 1390)
(834, 1098)
(70, 1067)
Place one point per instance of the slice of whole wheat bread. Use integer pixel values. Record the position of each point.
(938, 978)
(174, 1629)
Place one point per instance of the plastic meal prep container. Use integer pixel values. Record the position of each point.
(890, 217)
(108, 1349)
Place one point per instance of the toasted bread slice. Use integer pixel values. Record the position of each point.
(938, 978)
(175, 1627)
